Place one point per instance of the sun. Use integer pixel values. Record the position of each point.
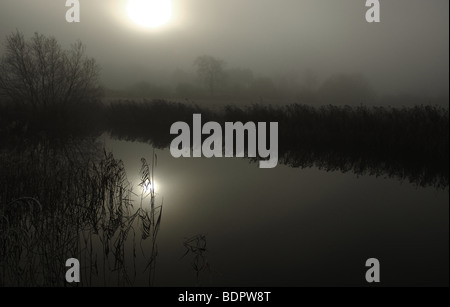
(150, 13)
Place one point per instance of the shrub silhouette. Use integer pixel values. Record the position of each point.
(40, 73)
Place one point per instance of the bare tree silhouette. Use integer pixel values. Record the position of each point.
(210, 71)
(40, 73)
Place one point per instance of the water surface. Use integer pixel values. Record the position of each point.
(289, 226)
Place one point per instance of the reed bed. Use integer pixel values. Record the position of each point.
(73, 202)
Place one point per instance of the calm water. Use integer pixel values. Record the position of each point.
(291, 227)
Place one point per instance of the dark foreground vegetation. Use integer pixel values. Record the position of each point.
(68, 198)
(62, 195)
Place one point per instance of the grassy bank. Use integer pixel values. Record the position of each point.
(407, 143)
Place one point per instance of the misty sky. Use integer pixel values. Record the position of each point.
(407, 52)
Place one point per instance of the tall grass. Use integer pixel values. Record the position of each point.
(71, 202)
(151, 220)
(196, 247)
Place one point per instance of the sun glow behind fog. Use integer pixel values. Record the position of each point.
(150, 13)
